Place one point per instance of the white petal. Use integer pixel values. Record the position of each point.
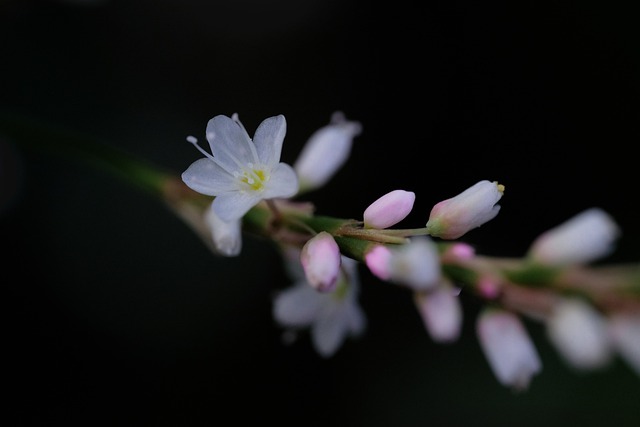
(297, 306)
(283, 182)
(330, 329)
(356, 319)
(269, 138)
(416, 264)
(232, 206)
(227, 236)
(625, 335)
(206, 177)
(229, 142)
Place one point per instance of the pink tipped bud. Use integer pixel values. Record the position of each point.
(321, 259)
(378, 260)
(389, 209)
(470, 209)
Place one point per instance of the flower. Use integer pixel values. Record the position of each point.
(507, 347)
(320, 258)
(415, 265)
(587, 236)
(241, 172)
(580, 334)
(325, 152)
(452, 218)
(227, 236)
(441, 313)
(331, 317)
(389, 209)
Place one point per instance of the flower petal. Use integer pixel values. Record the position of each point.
(296, 306)
(232, 206)
(283, 182)
(229, 142)
(330, 329)
(269, 138)
(206, 177)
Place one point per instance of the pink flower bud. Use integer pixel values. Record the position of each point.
(378, 260)
(389, 209)
(470, 209)
(321, 259)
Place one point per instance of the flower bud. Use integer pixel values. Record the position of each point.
(470, 209)
(227, 236)
(584, 238)
(389, 209)
(378, 260)
(416, 264)
(321, 259)
(579, 333)
(441, 313)
(508, 348)
(325, 152)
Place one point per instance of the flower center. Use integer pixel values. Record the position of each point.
(254, 178)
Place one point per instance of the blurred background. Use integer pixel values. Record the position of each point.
(117, 314)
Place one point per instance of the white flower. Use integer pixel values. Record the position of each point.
(441, 313)
(579, 333)
(584, 238)
(325, 152)
(452, 218)
(331, 316)
(240, 172)
(624, 330)
(389, 209)
(227, 236)
(508, 348)
(321, 261)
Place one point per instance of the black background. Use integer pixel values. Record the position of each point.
(117, 314)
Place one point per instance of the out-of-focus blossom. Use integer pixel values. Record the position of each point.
(415, 265)
(624, 332)
(441, 313)
(452, 218)
(241, 172)
(227, 236)
(389, 209)
(321, 259)
(378, 260)
(579, 333)
(332, 317)
(325, 152)
(586, 237)
(508, 348)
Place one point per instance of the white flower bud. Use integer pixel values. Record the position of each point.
(452, 218)
(584, 238)
(508, 348)
(325, 152)
(579, 333)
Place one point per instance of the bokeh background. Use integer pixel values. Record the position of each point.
(117, 314)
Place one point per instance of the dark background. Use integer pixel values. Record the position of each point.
(117, 314)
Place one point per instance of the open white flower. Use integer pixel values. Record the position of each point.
(331, 316)
(241, 172)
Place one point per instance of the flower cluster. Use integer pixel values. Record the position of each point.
(586, 311)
